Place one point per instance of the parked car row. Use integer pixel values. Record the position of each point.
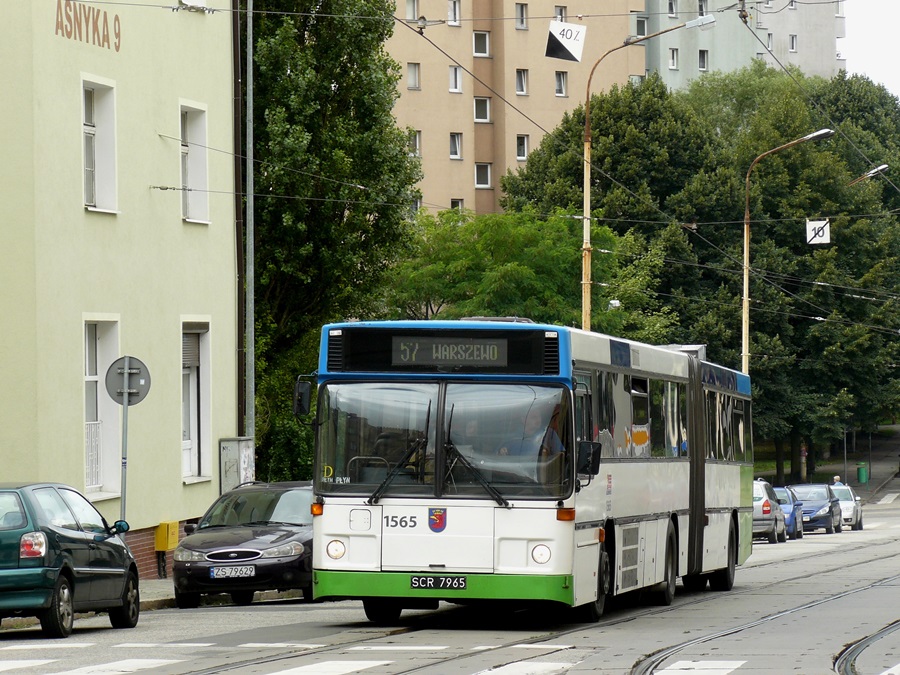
(782, 512)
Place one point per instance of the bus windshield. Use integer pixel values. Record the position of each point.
(455, 440)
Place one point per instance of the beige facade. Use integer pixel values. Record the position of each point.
(500, 56)
(105, 106)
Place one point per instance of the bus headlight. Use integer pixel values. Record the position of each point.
(335, 549)
(541, 554)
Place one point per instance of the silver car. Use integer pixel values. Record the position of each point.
(768, 517)
(851, 506)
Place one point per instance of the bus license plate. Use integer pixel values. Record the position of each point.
(240, 571)
(438, 582)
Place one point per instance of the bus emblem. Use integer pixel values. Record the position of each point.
(437, 519)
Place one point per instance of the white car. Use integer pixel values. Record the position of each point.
(851, 506)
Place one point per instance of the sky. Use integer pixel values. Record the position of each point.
(872, 45)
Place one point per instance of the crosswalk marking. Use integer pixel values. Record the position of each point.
(396, 648)
(542, 645)
(121, 667)
(18, 665)
(527, 668)
(279, 645)
(702, 667)
(189, 645)
(38, 646)
(333, 668)
(889, 498)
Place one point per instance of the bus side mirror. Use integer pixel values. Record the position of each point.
(301, 397)
(588, 458)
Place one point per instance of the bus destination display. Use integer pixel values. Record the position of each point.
(421, 350)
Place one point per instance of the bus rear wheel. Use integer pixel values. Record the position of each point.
(382, 611)
(666, 593)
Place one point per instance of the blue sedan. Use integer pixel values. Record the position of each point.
(821, 507)
(793, 511)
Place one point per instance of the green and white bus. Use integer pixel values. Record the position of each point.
(488, 460)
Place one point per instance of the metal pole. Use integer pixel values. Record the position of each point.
(250, 308)
(846, 477)
(125, 385)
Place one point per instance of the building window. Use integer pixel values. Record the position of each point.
(412, 76)
(839, 8)
(194, 177)
(792, 4)
(415, 143)
(412, 10)
(521, 81)
(769, 40)
(196, 454)
(455, 145)
(768, 3)
(456, 79)
(482, 175)
(481, 43)
(521, 16)
(453, 12)
(636, 80)
(561, 12)
(704, 59)
(482, 109)
(98, 130)
(701, 7)
(457, 204)
(792, 43)
(640, 26)
(673, 59)
(673, 7)
(522, 147)
(562, 83)
(102, 455)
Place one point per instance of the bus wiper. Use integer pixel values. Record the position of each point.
(420, 444)
(461, 458)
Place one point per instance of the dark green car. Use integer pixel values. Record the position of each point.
(58, 556)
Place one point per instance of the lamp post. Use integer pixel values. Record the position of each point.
(703, 22)
(745, 323)
(877, 171)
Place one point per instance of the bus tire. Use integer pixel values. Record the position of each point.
(382, 611)
(666, 593)
(723, 579)
(592, 611)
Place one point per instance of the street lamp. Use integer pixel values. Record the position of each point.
(745, 332)
(704, 22)
(877, 171)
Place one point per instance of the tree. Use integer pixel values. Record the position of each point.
(334, 184)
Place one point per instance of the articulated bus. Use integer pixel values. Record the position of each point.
(491, 460)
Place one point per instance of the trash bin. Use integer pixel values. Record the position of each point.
(862, 473)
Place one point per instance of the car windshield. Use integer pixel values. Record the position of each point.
(259, 507)
(843, 493)
(480, 440)
(811, 493)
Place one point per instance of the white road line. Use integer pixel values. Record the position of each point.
(31, 646)
(279, 645)
(893, 671)
(527, 668)
(121, 667)
(396, 648)
(189, 645)
(542, 645)
(333, 668)
(19, 665)
(702, 667)
(889, 497)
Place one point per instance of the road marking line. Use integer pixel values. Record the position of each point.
(121, 667)
(527, 668)
(889, 498)
(189, 645)
(279, 645)
(542, 645)
(19, 665)
(704, 667)
(31, 646)
(333, 668)
(395, 648)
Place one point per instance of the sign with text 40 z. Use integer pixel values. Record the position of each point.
(565, 41)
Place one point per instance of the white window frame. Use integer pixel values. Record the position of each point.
(453, 12)
(415, 143)
(456, 79)
(482, 175)
(673, 58)
(673, 8)
(561, 12)
(640, 26)
(703, 60)
(98, 102)
(792, 42)
(457, 203)
(412, 10)
(701, 8)
(792, 4)
(485, 102)
(562, 83)
(481, 36)
(521, 81)
(413, 75)
(522, 147)
(194, 163)
(102, 436)
(770, 40)
(196, 430)
(456, 145)
(521, 16)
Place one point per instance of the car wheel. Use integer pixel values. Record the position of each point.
(308, 593)
(783, 536)
(382, 611)
(128, 614)
(186, 600)
(799, 527)
(859, 525)
(773, 535)
(840, 525)
(723, 579)
(829, 529)
(592, 611)
(58, 619)
(242, 598)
